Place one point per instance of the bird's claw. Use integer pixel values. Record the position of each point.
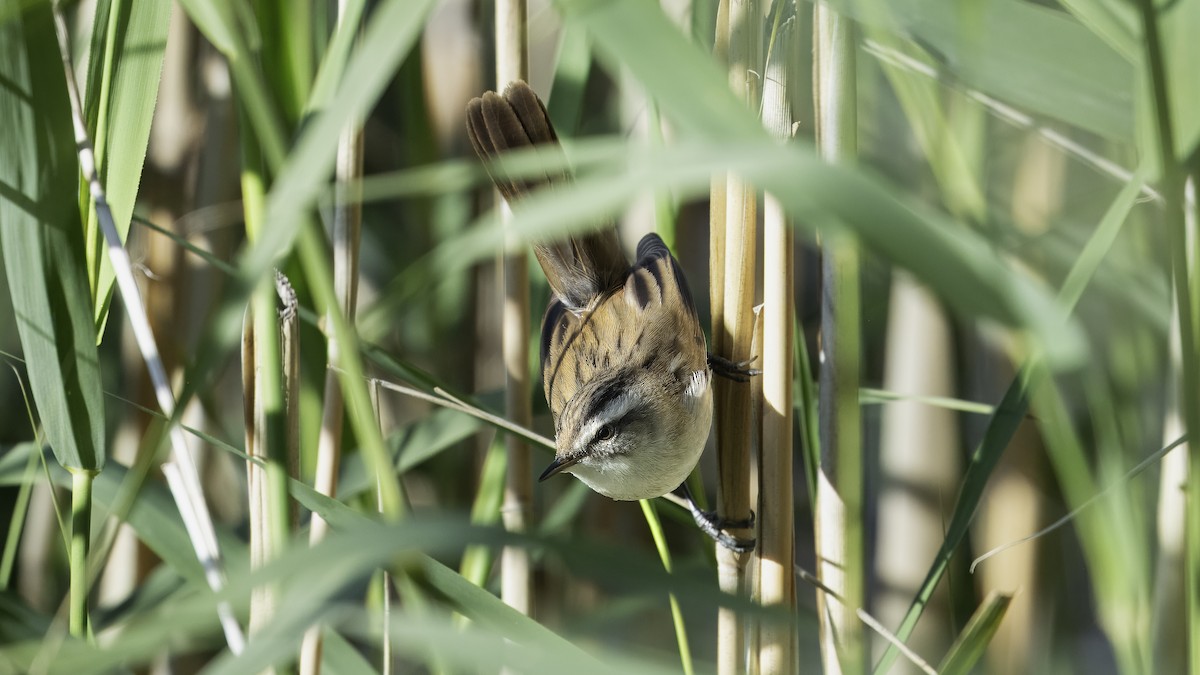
(713, 526)
(732, 370)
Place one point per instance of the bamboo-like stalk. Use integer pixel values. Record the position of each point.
(516, 587)
(347, 229)
(1172, 187)
(716, 208)
(756, 625)
(839, 514)
(270, 377)
(262, 391)
(733, 262)
(776, 536)
(81, 537)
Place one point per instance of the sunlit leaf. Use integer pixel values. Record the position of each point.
(42, 241)
(128, 42)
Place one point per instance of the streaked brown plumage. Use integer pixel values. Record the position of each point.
(625, 365)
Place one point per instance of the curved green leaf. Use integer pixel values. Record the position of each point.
(42, 241)
(129, 38)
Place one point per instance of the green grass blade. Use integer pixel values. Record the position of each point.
(1101, 241)
(1035, 58)
(971, 643)
(333, 65)
(392, 31)
(565, 104)
(120, 99)
(42, 241)
(1180, 53)
(664, 554)
(339, 657)
(16, 523)
(219, 23)
(868, 395)
(1010, 412)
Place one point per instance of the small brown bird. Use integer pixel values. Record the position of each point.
(625, 366)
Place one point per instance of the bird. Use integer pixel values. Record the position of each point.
(625, 366)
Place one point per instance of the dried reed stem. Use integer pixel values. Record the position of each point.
(512, 63)
(776, 538)
(347, 228)
(270, 380)
(839, 483)
(733, 326)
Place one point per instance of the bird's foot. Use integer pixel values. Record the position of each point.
(738, 371)
(713, 525)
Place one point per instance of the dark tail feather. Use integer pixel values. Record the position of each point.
(581, 267)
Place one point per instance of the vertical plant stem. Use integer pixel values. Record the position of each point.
(716, 211)
(1172, 191)
(756, 625)
(270, 384)
(347, 229)
(839, 488)
(776, 540)
(310, 245)
(512, 63)
(262, 382)
(385, 587)
(1169, 625)
(81, 538)
(739, 37)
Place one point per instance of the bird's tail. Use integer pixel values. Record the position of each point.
(581, 267)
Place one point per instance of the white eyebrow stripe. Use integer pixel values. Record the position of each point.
(614, 410)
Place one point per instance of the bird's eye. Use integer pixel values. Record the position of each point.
(606, 433)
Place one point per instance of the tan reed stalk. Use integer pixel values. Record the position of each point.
(776, 535)
(839, 483)
(347, 229)
(270, 379)
(516, 588)
(740, 22)
(716, 208)
(753, 581)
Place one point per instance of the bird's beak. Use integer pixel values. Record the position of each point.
(559, 465)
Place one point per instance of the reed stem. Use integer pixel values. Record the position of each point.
(839, 487)
(516, 588)
(1171, 188)
(81, 539)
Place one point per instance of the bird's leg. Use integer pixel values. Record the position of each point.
(711, 524)
(732, 370)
